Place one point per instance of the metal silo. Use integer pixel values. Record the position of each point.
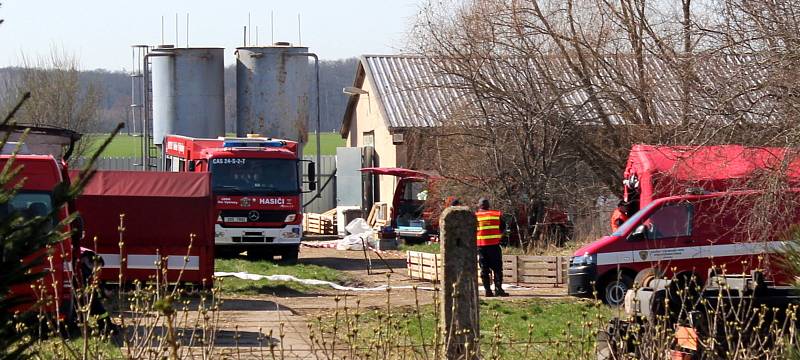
(188, 92)
(273, 87)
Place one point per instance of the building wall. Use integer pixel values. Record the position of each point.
(368, 119)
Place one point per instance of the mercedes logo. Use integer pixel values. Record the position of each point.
(253, 215)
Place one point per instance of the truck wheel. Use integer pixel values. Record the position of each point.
(614, 290)
(644, 277)
(289, 257)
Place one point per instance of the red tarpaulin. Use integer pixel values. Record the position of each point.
(161, 210)
(670, 170)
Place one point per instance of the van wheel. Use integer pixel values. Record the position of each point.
(644, 277)
(615, 289)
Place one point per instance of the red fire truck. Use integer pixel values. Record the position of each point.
(257, 188)
(38, 176)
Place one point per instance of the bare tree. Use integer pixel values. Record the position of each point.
(566, 81)
(59, 96)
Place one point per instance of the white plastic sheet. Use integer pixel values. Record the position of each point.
(360, 234)
(248, 276)
(358, 226)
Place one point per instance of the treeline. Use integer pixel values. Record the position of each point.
(114, 90)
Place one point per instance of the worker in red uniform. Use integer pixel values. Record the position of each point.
(490, 256)
(619, 216)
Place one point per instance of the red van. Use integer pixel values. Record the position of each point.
(415, 220)
(411, 219)
(683, 236)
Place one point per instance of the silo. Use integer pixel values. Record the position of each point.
(273, 87)
(188, 92)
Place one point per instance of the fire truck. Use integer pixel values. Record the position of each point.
(41, 164)
(38, 176)
(257, 188)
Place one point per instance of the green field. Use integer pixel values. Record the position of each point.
(129, 146)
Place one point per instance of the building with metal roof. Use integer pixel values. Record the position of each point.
(391, 94)
(394, 93)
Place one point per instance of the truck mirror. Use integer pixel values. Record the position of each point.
(191, 166)
(312, 176)
(638, 234)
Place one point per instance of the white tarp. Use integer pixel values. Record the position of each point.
(248, 276)
(360, 235)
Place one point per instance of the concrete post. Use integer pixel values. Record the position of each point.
(460, 322)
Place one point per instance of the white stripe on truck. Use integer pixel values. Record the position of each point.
(110, 261)
(690, 252)
(177, 262)
(143, 261)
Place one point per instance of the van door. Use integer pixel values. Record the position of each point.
(669, 244)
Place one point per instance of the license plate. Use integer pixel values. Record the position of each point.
(235, 219)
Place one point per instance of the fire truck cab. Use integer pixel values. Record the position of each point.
(41, 154)
(38, 176)
(257, 187)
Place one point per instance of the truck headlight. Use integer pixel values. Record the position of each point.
(584, 259)
(290, 218)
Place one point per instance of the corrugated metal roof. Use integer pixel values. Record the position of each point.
(413, 93)
(410, 92)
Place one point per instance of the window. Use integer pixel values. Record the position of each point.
(670, 221)
(415, 191)
(245, 176)
(29, 205)
(369, 138)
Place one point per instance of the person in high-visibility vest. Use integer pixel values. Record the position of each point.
(490, 256)
(619, 216)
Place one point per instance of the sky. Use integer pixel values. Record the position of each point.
(99, 32)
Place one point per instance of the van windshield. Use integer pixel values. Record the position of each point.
(632, 221)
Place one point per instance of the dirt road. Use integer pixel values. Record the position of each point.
(244, 318)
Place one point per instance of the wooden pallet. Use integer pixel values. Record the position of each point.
(378, 215)
(319, 224)
(423, 266)
(517, 269)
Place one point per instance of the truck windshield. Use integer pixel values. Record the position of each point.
(28, 205)
(236, 176)
(632, 221)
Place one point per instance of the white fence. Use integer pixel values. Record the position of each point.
(326, 200)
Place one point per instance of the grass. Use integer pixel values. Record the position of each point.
(534, 322)
(54, 349)
(234, 286)
(328, 144)
(121, 146)
(432, 248)
(129, 146)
